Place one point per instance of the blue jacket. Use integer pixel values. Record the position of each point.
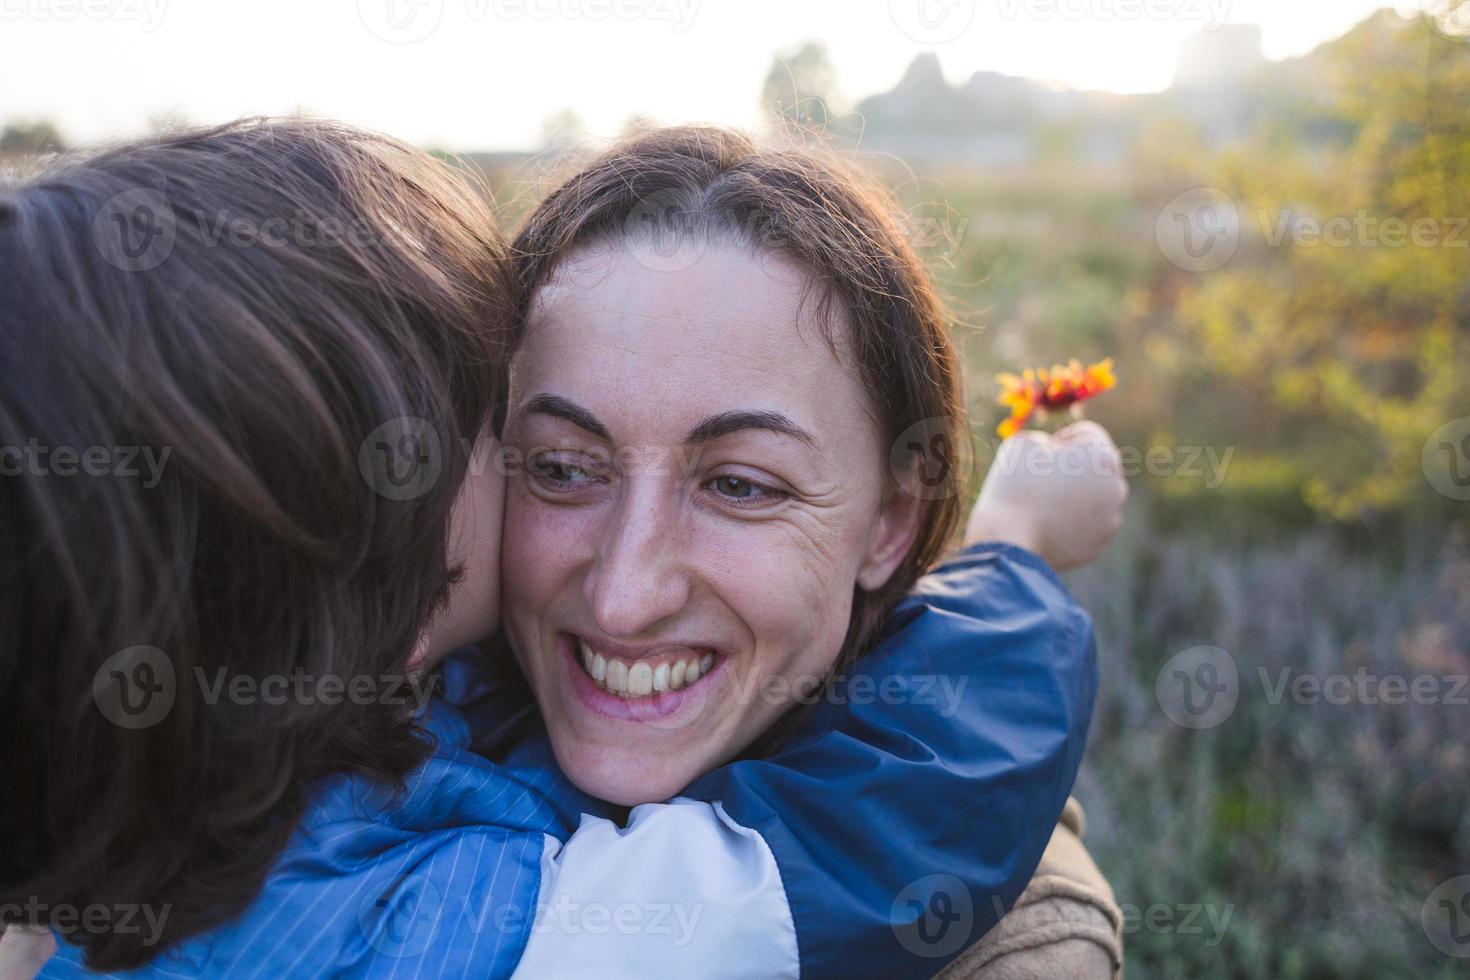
(891, 830)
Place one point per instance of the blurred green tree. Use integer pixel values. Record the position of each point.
(1346, 306)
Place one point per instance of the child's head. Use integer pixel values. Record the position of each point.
(245, 372)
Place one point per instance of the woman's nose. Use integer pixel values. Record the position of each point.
(638, 578)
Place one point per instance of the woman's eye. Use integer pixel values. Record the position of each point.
(559, 474)
(740, 491)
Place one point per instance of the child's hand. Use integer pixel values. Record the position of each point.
(1060, 496)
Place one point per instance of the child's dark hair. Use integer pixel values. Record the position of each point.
(219, 349)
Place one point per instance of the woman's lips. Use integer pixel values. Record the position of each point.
(642, 688)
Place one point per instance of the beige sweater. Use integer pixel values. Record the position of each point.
(1065, 926)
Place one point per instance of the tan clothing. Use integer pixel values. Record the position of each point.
(1065, 926)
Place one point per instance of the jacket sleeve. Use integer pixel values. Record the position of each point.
(892, 830)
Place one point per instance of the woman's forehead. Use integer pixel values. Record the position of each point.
(732, 330)
(731, 307)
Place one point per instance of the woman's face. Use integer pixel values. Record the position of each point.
(697, 485)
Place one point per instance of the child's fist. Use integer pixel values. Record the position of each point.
(1060, 496)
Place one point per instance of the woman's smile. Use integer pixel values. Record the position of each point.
(632, 673)
(627, 691)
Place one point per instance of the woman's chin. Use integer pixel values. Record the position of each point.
(621, 777)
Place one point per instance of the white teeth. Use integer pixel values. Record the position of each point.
(617, 677)
(641, 679)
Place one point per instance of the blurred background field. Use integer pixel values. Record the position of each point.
(1287, 391)
(1277, 255)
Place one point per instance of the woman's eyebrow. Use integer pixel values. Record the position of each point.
(725, 423)
(562, 408)
(712, 428)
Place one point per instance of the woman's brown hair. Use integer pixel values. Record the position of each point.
(219, 348)
(680, 184)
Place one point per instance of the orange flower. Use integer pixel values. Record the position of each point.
(1045, 391)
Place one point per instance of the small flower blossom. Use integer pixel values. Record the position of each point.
(1041, 390)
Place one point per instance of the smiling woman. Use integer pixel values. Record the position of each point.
(721, 348)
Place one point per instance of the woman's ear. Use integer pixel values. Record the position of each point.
(891, 539)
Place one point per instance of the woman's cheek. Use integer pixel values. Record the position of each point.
(791, 605)
(543, 546)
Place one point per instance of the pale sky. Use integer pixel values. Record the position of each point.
(486, 74)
